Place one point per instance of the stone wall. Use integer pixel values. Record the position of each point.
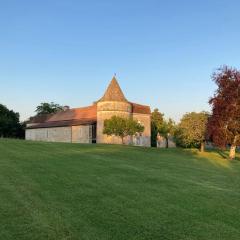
(76, 134)
(82, 134)
(59, 134)
(105, 110)
(145, 138)
(36, 134)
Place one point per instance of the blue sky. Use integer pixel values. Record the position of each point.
(163, 52)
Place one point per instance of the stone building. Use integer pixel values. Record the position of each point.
(85, 125)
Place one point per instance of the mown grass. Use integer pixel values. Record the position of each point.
(71, 191)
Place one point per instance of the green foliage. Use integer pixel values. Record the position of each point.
(46, 108)
(167, 129)
(191, 131)
(122, 127)
(115, 126)
(162, 126)
(9, 123)
(156, 123)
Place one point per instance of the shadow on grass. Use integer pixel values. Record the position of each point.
(217, 157)
(225, 154)
(211, 155)
(222, 154)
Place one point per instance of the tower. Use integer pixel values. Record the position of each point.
(113, 103)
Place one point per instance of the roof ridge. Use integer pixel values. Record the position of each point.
(144, 105)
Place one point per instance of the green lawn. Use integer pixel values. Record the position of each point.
(70, 191)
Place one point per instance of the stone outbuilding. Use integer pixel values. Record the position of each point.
(85, 125)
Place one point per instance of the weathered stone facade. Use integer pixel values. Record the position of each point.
(85, 125)
(106, 110)
(74, 134)
(145, 138)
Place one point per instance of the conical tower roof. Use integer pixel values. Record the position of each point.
(113, 92)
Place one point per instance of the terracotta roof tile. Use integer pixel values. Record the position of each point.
(138, 108)
(70, 117)
(40, 118)
(63, 123)
(88, 113)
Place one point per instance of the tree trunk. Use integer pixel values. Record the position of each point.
(232, 152)
(166, 142)
(202, 148)
(122, 140)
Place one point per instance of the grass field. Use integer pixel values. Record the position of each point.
(70, 191)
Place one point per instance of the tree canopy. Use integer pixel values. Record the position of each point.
(10, 125)
(122, 127)
(156, 123)
(224, 123)
(165, 127)
(46, 108)
(191, 130)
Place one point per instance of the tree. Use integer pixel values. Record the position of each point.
(9, 123)
(156, 123)
(166, 129)
(46, 108)
(192, 130)
(161, 126)
(122, 127)
(224, 123)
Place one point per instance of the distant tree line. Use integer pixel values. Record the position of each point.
(190, 132)
(221, 126)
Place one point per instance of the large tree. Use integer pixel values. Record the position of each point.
(156, 124)
(46, 108)
(167, 129)
(9, 123)
(122, 127)
(224, 123)
(192, 130)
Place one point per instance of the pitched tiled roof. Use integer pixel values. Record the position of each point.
(138, 108)
(70, 117)
(63, 123)
(75, 114)
(113, 92)
(40, 118)
(78, 116)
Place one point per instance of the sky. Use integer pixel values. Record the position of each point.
(163, 52)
